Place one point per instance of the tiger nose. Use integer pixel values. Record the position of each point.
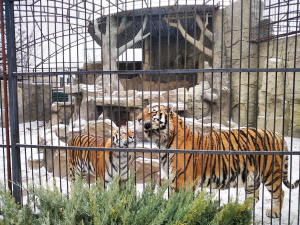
(147, 125)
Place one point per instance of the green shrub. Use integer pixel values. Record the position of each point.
(95, 205)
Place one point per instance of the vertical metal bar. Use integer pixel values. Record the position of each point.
(265, 121)
(22, 69)
(248, 93)
(5, 98)
(103, 108)
(13, 100)
(211, 104)
(134, 108)
(118, 66)
(240, 80)
(193, 98)
(221, 79)
(159, 76)
(293, 108)
(256, 113)
(283, 109)
(2, 136)
(230, 94)
(96, 131)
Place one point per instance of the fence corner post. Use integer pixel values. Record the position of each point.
(13, 101)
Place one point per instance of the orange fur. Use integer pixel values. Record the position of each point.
(168, 131)
(102, 164)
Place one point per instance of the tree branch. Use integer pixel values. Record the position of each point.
(198, 44)
(136, 39)
(182, 31)
(123, 25)
(97, 30)
(207, 32)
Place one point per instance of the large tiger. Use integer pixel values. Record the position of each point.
(92, 163)
(167, 130)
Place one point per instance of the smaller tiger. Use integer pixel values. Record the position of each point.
(102, 164)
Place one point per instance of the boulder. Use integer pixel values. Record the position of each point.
(61, 130)
(36, 161)
(199, 90)
(76, 128)
(90, 128)
(55, 119)
(124, 94)
(64, 110)
(143, 171)
(198, 109)
(177, 95)
(122, 102)
(209, 97)
(55, 160)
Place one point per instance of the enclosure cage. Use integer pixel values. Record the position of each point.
(207, 88)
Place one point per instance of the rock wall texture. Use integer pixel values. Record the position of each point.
(34, 102)
(264, 99)
(279, 93)
(241, 53)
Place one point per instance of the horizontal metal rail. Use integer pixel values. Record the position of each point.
(219, 152)
(179, 71)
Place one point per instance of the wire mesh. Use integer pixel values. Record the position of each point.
(177, 90)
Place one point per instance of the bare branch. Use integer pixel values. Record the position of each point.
(207, 32)
(97, 30)
(198, 44)
(136, 39)
(182, 31)
(123, 25)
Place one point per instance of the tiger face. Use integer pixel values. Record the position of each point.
(123, 138)
(219, 171)
(90, 163)
(154, 121)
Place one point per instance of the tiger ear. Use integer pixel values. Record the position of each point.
(153, 109)
(170, 107)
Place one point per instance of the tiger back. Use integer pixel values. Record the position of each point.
(102, 164)
(168, 131)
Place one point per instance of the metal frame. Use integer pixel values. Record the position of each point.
(17, 13)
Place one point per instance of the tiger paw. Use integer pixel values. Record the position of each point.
(273, 214)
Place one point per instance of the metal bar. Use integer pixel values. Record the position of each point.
(200, 152)
(13, 99)
(5, 98)
(177, 71)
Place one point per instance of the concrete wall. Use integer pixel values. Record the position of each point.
(34, 101)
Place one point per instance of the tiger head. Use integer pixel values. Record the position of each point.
(123, 138)
(155, 121)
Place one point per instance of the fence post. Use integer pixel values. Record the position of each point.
(13, 99)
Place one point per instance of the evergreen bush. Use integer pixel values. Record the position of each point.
(96, 205)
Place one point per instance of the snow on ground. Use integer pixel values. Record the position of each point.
(29, 135)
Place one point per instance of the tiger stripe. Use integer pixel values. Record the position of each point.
(101, 164)
(167, 130)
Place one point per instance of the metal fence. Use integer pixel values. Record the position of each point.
(88, 67)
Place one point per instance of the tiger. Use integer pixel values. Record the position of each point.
(167, 130)
(91, 163)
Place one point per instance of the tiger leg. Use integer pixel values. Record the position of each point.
(252, 188)
(277, 195)
(71, 173)
(71, 167)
